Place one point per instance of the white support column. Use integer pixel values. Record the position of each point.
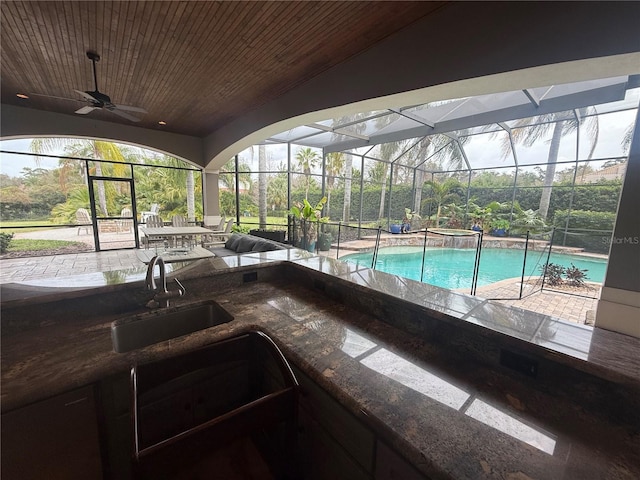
(619, 304)
(211, 194)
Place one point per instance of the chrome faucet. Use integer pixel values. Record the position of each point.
(161, 298)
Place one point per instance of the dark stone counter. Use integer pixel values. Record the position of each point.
(416, 364)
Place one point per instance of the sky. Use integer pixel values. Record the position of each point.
(13, 164)
(481, 150)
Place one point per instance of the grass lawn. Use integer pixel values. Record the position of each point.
(6, 226)
(271, 221)
(26, 245)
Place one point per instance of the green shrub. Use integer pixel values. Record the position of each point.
(241, 228)
(575, 276)
(527, 221)
(5, 240)
(552, 274)
(587, 229)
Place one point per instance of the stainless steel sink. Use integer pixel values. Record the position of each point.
(164, 324)
(187, 406)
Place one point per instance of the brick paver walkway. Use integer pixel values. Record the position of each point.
(578, 307)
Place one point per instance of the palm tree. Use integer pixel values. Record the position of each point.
(529, 131)
(441, 147)
(179, 176)
(334, 164)
(227, 175)
(441, 193)
(627, 137)
(262, 186)
(307, 160)
(348, 172)
(96, 149)
(359, 128)
(387, 152)
(277, 191)
(169, 187)
(191, 196)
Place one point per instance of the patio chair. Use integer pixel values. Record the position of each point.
(227, 228)
(154, 221)
(125, 224)
(84, 220)
(180, 221)
(213, 222)
(152, 211)
(217, 237)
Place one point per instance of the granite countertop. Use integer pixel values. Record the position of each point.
(450, 417)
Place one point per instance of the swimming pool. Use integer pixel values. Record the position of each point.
(453, 267)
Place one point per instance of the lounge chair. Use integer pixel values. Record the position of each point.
(83, 219)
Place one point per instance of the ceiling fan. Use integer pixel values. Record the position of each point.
(96, 99)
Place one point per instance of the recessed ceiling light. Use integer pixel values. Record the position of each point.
(22, 95)
(162, 122)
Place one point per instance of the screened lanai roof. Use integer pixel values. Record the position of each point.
(473, 115)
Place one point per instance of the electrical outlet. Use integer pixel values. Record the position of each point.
(249, 277)
(519, 363)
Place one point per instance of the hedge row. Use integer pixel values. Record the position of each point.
(600, 198)
(587, 229)
(21, 211)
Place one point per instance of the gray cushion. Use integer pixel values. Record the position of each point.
(232, 242)
(262, 246)
(245, 244)
(221, 251)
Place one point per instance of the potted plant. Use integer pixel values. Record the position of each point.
(275, 235)
(481, 216)
(395, 228)
(527, 220)
(310, 216)
(324, 241)
(499, 227)
(406, 220)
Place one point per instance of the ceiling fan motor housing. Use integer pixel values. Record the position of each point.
(100, 98)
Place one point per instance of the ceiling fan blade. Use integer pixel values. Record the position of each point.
(86, 109)
(130, 109)
(124, 115)
(53, 96)
(86, 95)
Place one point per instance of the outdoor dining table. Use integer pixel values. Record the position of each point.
(155, 233)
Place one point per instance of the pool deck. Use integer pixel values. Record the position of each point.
(578, 307)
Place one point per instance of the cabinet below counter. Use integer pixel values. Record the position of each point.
(56, 439)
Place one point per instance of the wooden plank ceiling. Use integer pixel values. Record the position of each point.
(195, 65)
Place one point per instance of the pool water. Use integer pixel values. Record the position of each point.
(453, 267)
